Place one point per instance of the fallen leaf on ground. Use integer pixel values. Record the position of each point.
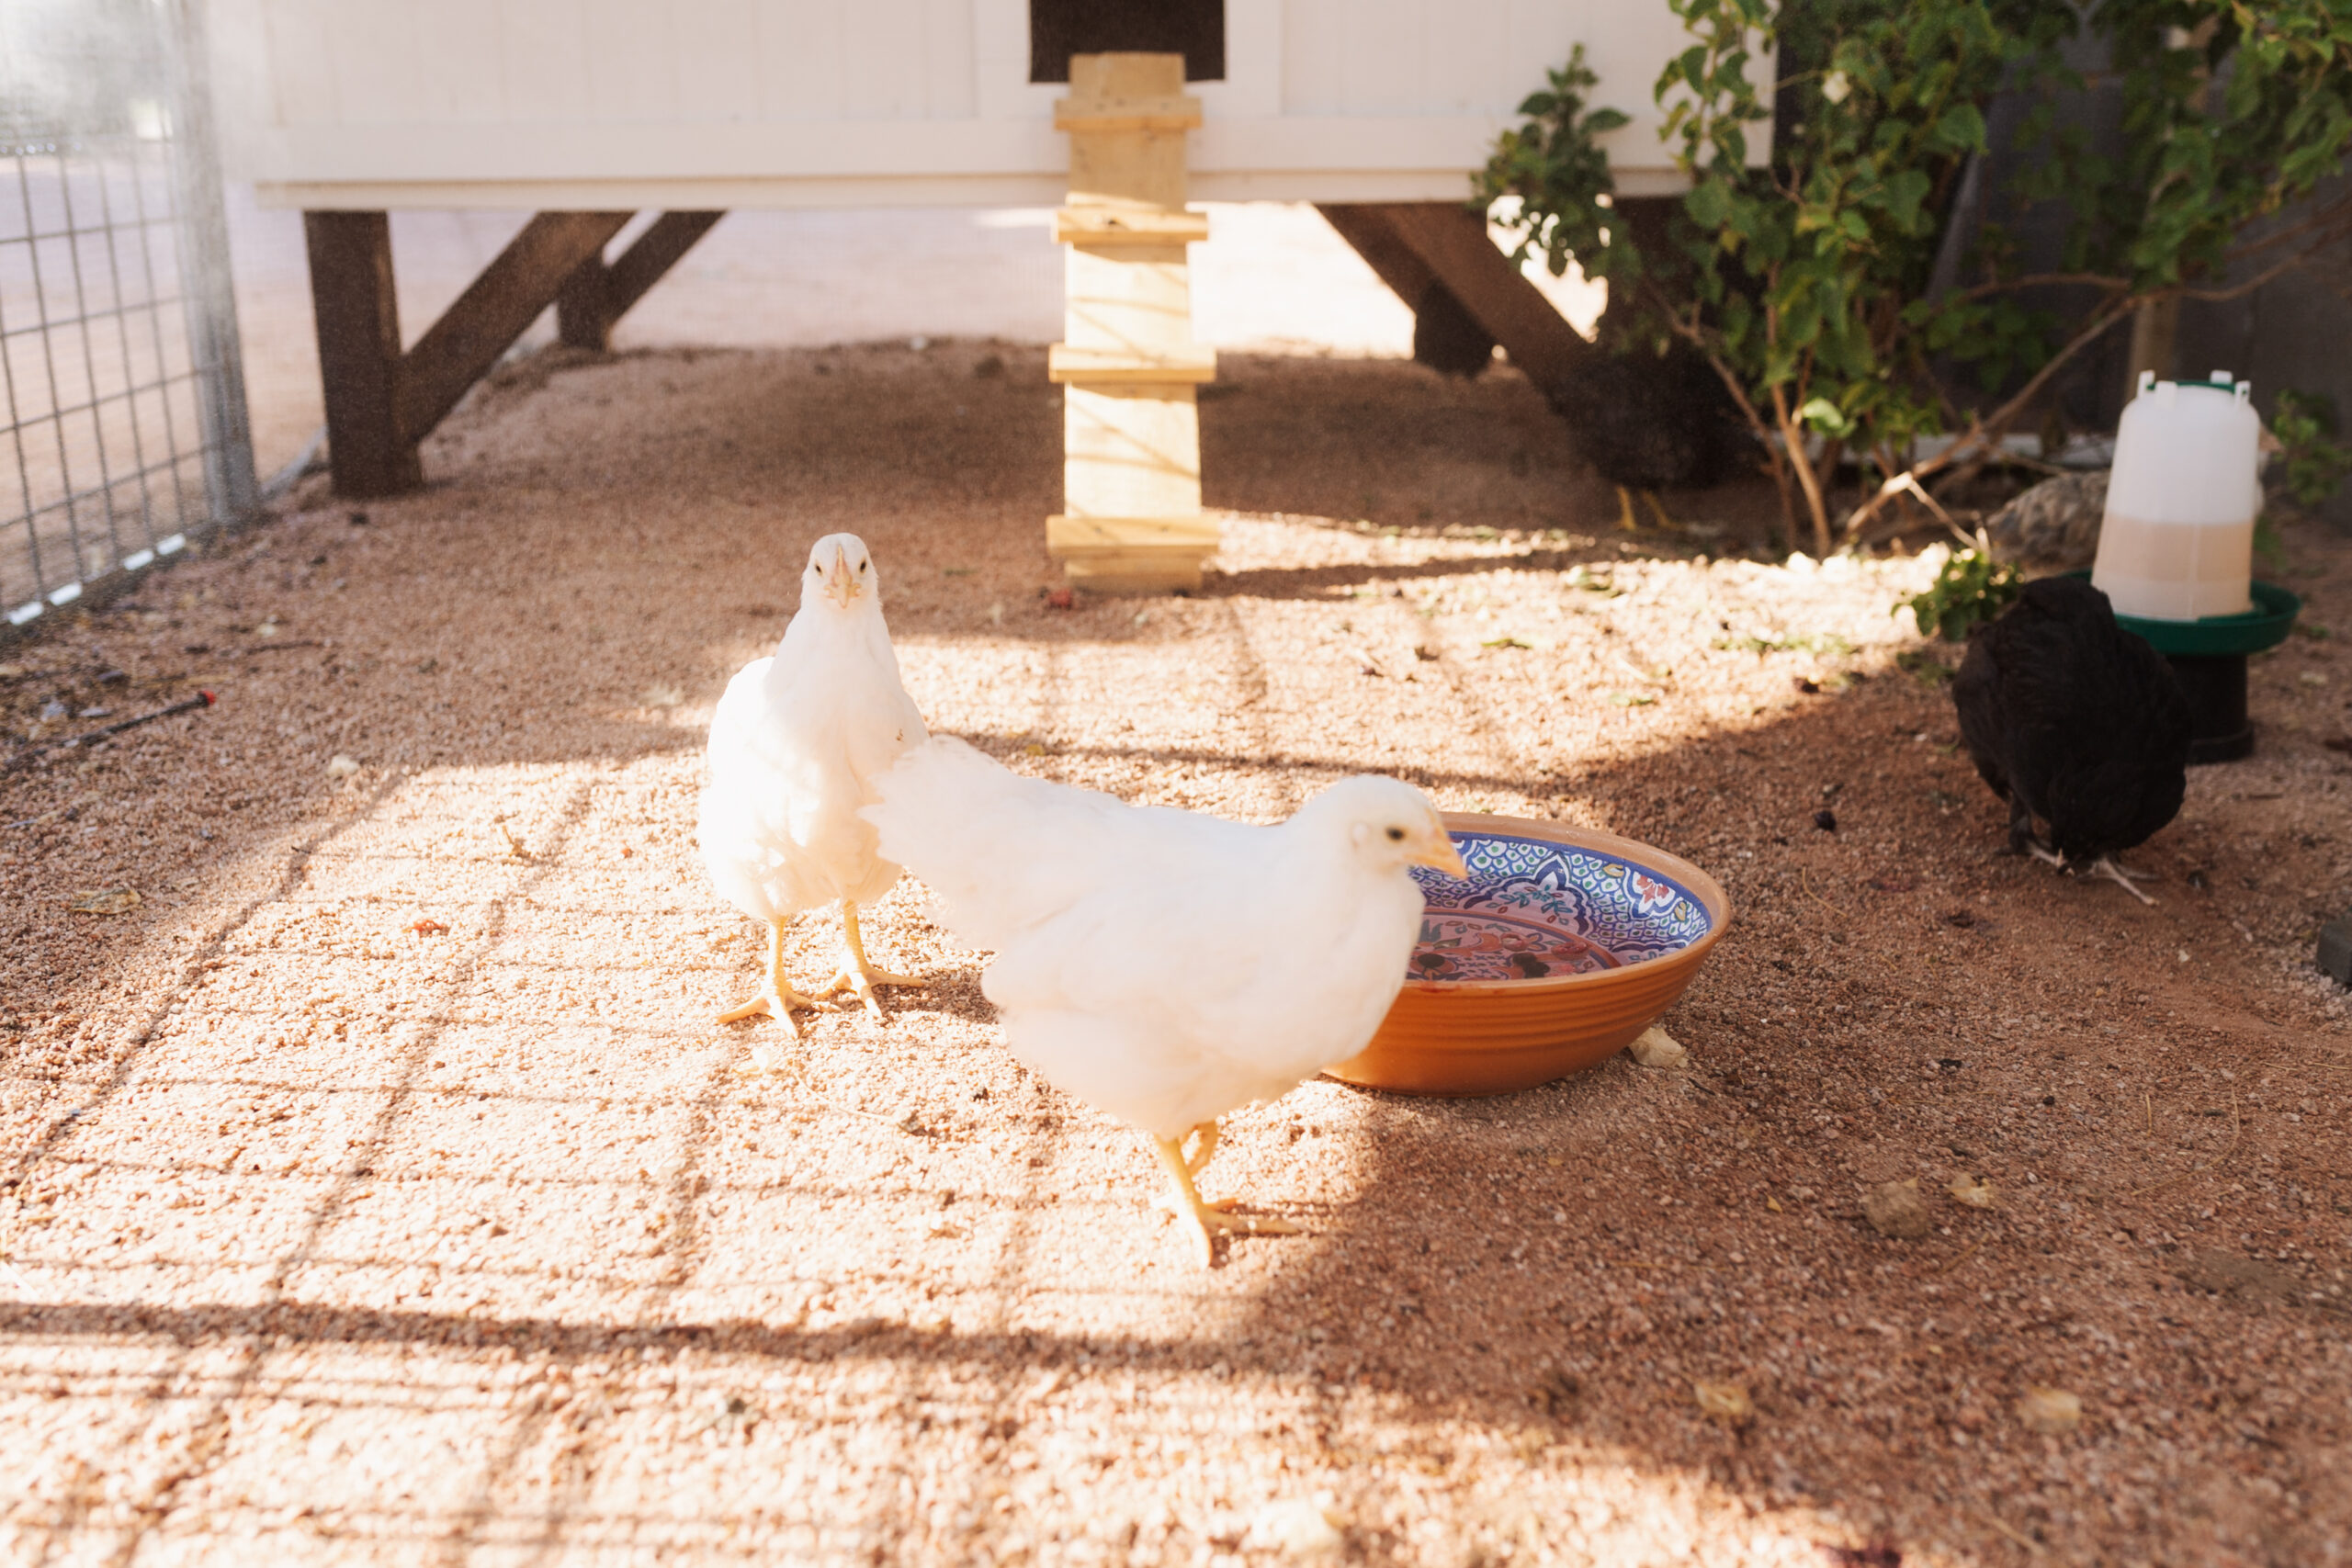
(1974, 1192)
(1724, 1402)
(105, 901)
(1895, 1209)
(2049, 1409)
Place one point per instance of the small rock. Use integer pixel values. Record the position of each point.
(1724, 1402)
(1895, 1209)
(2050, 1410)
(1298, 1526)
(662, 696)
(1825, 819)
(1657, 1048)
(1061, 599)
(343, 766)
(1973, 1190)
(53, 709)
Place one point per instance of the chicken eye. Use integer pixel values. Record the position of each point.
(1395, 835)
(861, 566)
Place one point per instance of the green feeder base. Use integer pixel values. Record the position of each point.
(2209, 657)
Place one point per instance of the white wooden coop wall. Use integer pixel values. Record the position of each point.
(618, 104)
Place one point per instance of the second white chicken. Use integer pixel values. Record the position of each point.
(1163, 965)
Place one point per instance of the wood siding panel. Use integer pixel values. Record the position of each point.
(951, 89)
(800, 51)
(1313, 64)
(827, 102)
(543, 57)
(300, 63)
(719, 56)
(633, 61)
(460, 78)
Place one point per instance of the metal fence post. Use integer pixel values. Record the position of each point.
(206, 278)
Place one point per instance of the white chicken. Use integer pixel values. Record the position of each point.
(1166, 966)
(794, 746)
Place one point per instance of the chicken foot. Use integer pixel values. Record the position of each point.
(857, 973)
(2121, 876)
(1208, 1221)
(1625, 518)
(779, 999)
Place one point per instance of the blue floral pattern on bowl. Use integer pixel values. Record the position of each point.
(1536, 910)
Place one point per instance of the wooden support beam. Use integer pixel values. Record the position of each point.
(498, 308)
(360, 352)
(1445, 335)
(381, 403)
(1451, 242)
(1371, 235)
(597, 295)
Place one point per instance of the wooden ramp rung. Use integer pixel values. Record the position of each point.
(1131, 367)
(1128, 226)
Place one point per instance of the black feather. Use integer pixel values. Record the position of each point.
(2073, 720)
(1653, 420)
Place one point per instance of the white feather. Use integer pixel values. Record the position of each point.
(1166, 966)
(794, 746)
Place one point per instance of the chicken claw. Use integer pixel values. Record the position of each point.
(1209, 1220)
(859, 975)
(779, 999)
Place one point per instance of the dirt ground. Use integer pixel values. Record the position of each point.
(379, 1190)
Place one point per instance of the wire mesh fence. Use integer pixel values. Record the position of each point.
(125, 435)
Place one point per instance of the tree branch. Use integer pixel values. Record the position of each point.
(1984, 432)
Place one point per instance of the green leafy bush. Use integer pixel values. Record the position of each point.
(1804, 276)
(2313, 462)
(1972, 587)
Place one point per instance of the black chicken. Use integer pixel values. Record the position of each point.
(1649, 421)
(2076, 722)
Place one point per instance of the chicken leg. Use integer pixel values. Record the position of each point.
(1625, 518)
(857, 974)
(779, 999)
(1208, 1221)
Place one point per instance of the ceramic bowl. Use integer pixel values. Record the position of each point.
(1562, 946)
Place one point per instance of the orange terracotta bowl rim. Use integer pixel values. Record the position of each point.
(1473, 1036)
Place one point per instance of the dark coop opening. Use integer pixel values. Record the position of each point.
(1059, 28)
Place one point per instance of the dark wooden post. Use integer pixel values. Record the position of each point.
(360, 352)
(597, 295)
(583, 312)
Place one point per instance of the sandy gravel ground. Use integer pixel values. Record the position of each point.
(377, 1188)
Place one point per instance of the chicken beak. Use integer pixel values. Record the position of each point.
(1439, 855)
(840, 584)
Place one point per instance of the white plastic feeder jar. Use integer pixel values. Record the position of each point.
(2177, 540)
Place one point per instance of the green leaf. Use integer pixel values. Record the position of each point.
(1708, 204)
(1827, 417)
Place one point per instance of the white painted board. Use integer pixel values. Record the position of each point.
(618, 104)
